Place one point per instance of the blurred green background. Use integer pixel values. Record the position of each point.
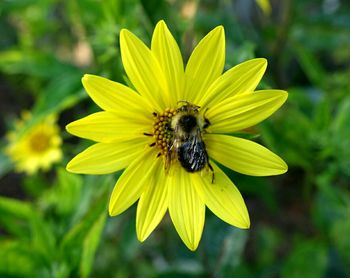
(55, 224)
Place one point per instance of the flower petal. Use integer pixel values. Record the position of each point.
(132, 183)
(104, 158)
(186, 209)
(223, 198)
(242, 78)
(205, 64)
(169, 57)
(153, 202)
(244, 110)
(107, 127)
(244, 156)
(113, 96)
(143, 70)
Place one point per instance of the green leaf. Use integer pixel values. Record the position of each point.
(322, 115)
(307, 259)
(340, 232)
(63, 91)
(42, 238)
(35, 64)
(21, 219)
(65, 195)
(268, 242)
(5, 164)
(341, 122)
(90, 245)
(71, 244)
(311, 66)
(17, 260)
(15, 208)
(223, 246)
(338, 137)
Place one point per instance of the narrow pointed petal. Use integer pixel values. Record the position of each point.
(153, 202)
(244, 110)
(223, 198)
(132, 183)
(105, 158)
(240, 79)
(244, 156)
(205, 64)
(113, 96)
(169, 57)
(143, 70)
(187, 210)
(107, 127)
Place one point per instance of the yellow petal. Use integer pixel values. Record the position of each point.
(143, 70)
(113, 96)
(132, 183)
(242, 78)
(153, 202)
(243, 111)
(169, 57)
(107, 127)
(205, 64)
(244, 156)
(104, 158)
(223, 198)
(187, 210)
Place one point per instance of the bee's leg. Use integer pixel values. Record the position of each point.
(153, 144)
(155, 114)
(212, 172)
(168, 159)
(147, 134)
(206, 121)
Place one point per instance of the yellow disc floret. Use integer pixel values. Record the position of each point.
(162, 131)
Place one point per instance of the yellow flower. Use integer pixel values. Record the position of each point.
(138, 131)
(35, 148)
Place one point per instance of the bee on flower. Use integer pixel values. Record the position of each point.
(170, 132)
(35, 147)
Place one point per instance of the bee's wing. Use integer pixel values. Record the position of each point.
(196, 153)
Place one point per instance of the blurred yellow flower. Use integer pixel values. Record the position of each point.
(168, 132)
(35, 148)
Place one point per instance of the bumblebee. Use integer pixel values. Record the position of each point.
(187, 145)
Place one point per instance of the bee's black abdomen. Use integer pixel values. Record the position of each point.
(192, 156)
(188, 123)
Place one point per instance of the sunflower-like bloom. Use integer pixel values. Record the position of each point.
(138, 130)
(36, 147)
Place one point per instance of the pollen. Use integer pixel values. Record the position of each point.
(162, 132)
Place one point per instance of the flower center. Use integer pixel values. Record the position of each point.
(162, 131)
(39, 142)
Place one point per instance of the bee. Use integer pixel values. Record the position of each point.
(188, 145)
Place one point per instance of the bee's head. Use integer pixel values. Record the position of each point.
(188, 107)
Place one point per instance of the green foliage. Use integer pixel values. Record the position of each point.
(307, 259)
(43, 235)
(55, 224)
